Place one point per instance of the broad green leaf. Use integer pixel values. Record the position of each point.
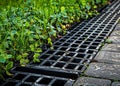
(2, 60)
(9, 66)
(62, 9)
(35, 57)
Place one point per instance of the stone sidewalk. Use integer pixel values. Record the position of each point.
(105, 70)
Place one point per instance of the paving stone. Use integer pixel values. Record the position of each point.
(116, 84)
(108, 57)
(117, 26)
(88, 81)
(116, 32)
(114, 39)
(103, 70)
(111, 47)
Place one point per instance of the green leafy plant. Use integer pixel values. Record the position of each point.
(108, 41)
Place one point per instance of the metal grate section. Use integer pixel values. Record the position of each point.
(114, 7)
(71, 54)
(30, 79)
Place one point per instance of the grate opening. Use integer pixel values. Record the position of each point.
(83, 46)
(93, 37)
(85, 61)
(48, 63)
(74, 45)
(95, 44)
(70, 41)
(50, 52)
(95, 34)
(54, 57)
(80, 32)
(85, 36)
(88, 57)
(59, 53)
(89, 39)
(63, 48)
(57, 43)
(87, 43)
(10, 83)
(80, 55)
(65, 59)
(59, 83)
(37, 63)
(81, 39)
(98, 40)
(19, 76)
(101, 37)
(72, 49)
(82, 50)
(31, 79)
(92, 47)
(80, 67)
(65, 44)
(90, 51)
(62, 40)
(55, 47)
(66, 37)
(87, 33)
(44, 56)
(77, 35)
(71, 66)
(60, 64)
(70, 54)
(23, 84)
(90, 31)
(45, 81)
(74, 37)
(76, 60)
(78, 41)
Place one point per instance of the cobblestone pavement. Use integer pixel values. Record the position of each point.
(105, 68)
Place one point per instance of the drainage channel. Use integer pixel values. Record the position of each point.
(72, 53)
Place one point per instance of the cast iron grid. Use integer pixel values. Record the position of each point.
(71, 54)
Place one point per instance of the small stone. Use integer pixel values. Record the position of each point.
(88, 81)
(103, 70)
(116, 84)
(108, 57)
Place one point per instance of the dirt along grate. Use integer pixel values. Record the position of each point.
(62, 65)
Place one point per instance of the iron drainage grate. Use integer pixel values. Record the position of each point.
(71, 53)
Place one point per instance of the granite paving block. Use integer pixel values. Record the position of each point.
(116, 84)
(88, 81)
(111, 47)
(117, 26)
(103, 70)
(114, 39)
(108, 57)
(115, 33)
